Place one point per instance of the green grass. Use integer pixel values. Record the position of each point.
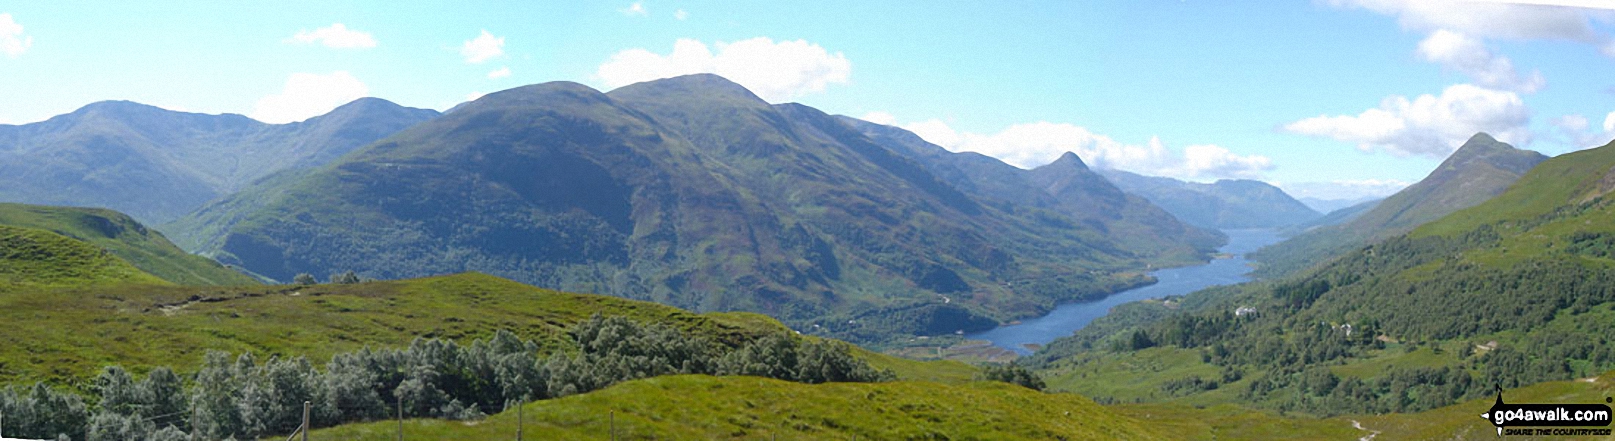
(65, 334)
(37, 258)
(1462, 421)
(1129, 376)
(704, 407)
(122, 236)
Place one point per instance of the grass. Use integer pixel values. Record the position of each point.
(65, 334)
(38, 258)
(1130, 376)
(1462, 421)
(704, 407)
(123, 237)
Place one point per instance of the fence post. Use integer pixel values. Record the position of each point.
(613, 425)
(305, 421)
(400, 417)
(518, 422)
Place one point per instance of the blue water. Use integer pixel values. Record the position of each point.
(1070, 317)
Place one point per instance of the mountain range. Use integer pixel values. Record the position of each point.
(156, 164)
(693, 192)
(1478, 170)
(1226, 203)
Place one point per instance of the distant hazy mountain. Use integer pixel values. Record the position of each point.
(1227, 203)
(157, 164)
(1066, 186)
(1330, 205)
(1336, 217)
(1480, 169)
(689, 191)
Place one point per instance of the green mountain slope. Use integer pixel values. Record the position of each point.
(1067, 187)
(125, 238)
(32, 257)
(1514, 291)
(1227, 203)
(1479, 170)
(701, 407)
(157, 164)
(690, 192)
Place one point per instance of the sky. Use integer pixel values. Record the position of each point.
(1331, 99)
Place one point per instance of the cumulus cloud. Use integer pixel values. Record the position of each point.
(1580, 132)
(336, 36)
(307, 95)
(774, 71)
(1427, 125)
(1035, 144)
(681, 15)
(1513, 20)
(12, 41)
(637, 8)
(1345, 189)
(500, 73)
(483, 48)
(1466, 55)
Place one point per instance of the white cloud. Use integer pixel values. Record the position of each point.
(1035, 144)
(638, 8)
(500, 73)
(308, 95)
(336, 36)
(774, 71)
(1488, 19)
(1427, 125)
(484, 47)
(1469, 56)
(12, 41)
(882, 118)
(681, 15)
(1346, 189)
(1609, 122)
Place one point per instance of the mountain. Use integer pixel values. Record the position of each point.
(124, 238)
(1227, 203)
(1480, 169)
(1336, 217)
(1494, 295)
(157, 164)
(1066, 186)
(688, 191)
(31, 257)
(1330, 205)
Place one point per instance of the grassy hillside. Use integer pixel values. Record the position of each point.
(34, 259)
(702, 407)
(124, 237)
(141, 326)
(1515, 291)
(1479, 170)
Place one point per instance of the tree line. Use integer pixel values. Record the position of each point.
(242, 397)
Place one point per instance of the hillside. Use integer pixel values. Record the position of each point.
(699, 407)
(1500, 294)
(125, 238)
(688, 191)
(157, 164)
(1480, 169)
(1066, 186)
(1227, 203)
(34, 258)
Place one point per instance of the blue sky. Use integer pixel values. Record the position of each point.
(1339, 98)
